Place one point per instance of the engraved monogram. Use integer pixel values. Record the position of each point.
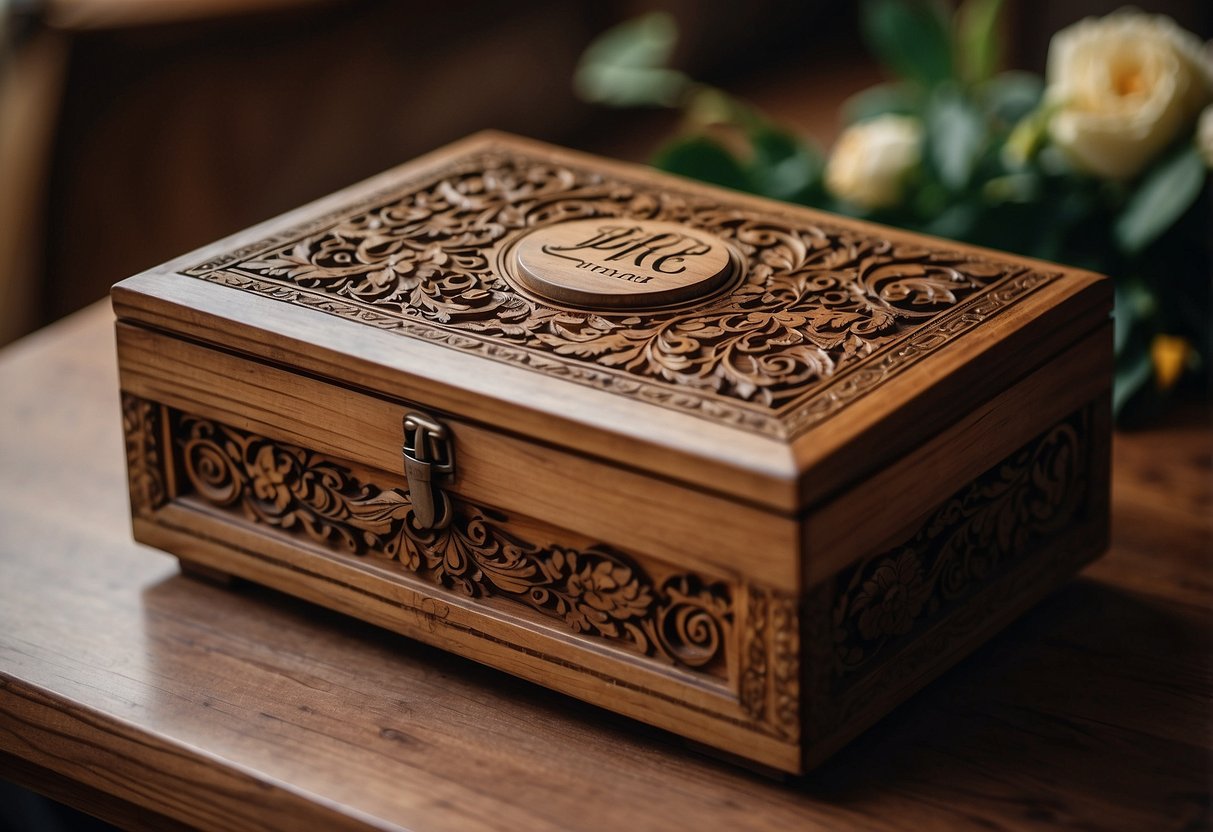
(824, 315)
(664, 252)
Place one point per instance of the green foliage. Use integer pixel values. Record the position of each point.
(783, 166)
(977, 46)
(778, 164)
(627, 65)
(1135, 309)
(1164, 195)
(956, 135)
(988, 176)
(912, 39)
(1010, 97)
(702, 158)
(882, 99)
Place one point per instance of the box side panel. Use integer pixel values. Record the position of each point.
(694, 650)
(914, 595)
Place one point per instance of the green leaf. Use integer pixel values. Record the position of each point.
(956, 221)
(1013, 187)
(1124, 316)
(783, 166)
(698, 157)
(910, 38)
(898, 99)
(956, 136)
(626, 65)
(1132, 374)
(1009, 96)
(1163, 196)
(977, 44)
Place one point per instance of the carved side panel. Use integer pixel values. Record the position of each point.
(888, 619)
(145, 460)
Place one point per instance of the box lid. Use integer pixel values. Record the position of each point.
(750, 348)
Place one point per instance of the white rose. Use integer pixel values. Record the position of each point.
(1122, 87)
(872, 160)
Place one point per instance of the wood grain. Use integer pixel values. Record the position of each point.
(253, 710)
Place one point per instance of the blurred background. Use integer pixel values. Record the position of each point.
(132, 131)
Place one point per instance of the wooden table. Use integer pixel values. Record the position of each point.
(149, 698)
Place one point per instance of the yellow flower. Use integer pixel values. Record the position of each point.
(1123, 86)
(1169, 354)
(872, 160)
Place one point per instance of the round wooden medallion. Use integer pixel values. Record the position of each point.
(610, 263)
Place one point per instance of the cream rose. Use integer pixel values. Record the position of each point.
(1122, 87)
(872, 160)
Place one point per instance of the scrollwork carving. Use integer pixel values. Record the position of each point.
(962, 546)
(684, 619)
(824, 315)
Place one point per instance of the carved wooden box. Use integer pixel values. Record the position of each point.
(744, 471)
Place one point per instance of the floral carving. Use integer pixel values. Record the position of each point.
(962, 546)
(779, 353)
(144, 461)
(684, 619)
(888, 602)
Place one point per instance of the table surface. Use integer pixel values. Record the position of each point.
(146, 697)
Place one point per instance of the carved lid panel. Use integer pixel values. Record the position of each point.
(733, 311)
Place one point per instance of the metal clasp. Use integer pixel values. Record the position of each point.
(429, 454)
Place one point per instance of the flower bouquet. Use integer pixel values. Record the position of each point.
(1102, 164)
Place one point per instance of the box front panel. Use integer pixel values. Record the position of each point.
(704, 652)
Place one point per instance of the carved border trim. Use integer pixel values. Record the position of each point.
(900, 355)
(770, 675)
(145, 461)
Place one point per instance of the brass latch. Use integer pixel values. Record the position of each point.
(429, 454)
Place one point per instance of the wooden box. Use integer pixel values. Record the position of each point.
(745, 471)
